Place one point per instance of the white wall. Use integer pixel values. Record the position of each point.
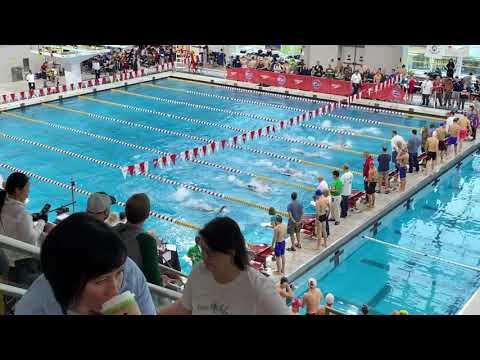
(322, 53)
(384, 56)
(12, 55)
(355, 54)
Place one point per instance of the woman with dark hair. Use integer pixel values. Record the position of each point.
(85, 264)
(224, 283)
(17, 223)
(450, 68)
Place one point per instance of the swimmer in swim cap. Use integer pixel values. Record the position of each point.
(312, 298)
(403, 312)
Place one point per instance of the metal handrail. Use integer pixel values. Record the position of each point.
(11, 290)
(172, 271)
(31, 250)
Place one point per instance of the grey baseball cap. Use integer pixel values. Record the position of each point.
(100, 202)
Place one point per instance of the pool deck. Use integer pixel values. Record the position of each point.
(472, 307)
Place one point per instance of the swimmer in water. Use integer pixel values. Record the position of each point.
(208, 209)
(259, 189)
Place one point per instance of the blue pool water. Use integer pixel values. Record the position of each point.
(444, 221)
(173, 200)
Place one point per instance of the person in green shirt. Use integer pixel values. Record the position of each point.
(336, 191)
(194, 253)
(141, 245)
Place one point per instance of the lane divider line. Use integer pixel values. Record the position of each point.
(196, 106)
(292, 159)
(81, 132)
(398, 113)
(150, 176)
(123, 143)
(127, 123)
(373, 122)
(88, 193)
(221, 97)
(207, 123)
(238, 113)
(259, 92)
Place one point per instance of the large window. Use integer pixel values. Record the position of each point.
(418, 62)
(471, 65)
(442, 63)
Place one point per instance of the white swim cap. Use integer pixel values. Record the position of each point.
(330, 299)
(312, 281)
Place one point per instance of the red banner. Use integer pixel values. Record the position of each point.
(291, 81)
(394, 93)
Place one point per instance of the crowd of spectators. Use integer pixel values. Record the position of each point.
(130, 59)
(269, 61)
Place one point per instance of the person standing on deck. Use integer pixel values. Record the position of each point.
(336, 191)
(366, 169)
(383, 168)
(402, 166)
(278, 244)
(347, 180)
(295, 213)
(413, 144)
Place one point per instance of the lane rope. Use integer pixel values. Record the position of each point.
(202, 162)
(368, 121)
(81, 132)
(292, 159)
(238, 113)
(400, 114)
(222, 97)
(259, 92)
(207, 123)
(128, 123)
(88, 193)
(196, 106)
(150, 176)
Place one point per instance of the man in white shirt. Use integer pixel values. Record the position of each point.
(450, 120)
(322, 184)
(30, 80)
(397, 142)
(427, 87)
(356, 80)
(347, 179)
(96, 68)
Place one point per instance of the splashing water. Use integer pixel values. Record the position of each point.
(259, 186)
(234, 180)
(371, 130)
(326, 123)
(181, 194)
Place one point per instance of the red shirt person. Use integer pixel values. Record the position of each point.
(411, 85)
(366, 168)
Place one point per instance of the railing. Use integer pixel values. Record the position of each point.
(11, 290)
(27, 249)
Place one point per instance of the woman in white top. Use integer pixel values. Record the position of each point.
(15, 222)
(224, 283)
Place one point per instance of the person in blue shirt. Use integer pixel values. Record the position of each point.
(383, 169)
(84, 264)
(295, 213)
